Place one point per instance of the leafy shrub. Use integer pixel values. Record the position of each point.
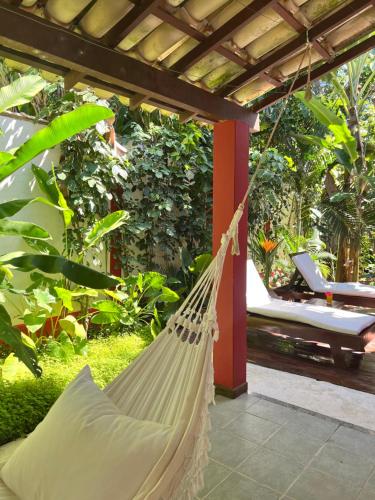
(25, 402)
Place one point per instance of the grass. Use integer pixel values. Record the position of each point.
(25, 402)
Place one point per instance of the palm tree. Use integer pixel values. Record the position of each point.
(348, 201)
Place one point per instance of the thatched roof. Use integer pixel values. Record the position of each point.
(237, 50)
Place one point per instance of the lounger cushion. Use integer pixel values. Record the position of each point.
(313, 277)
(260, 302)
(336, 320)
(357, 289)
(85, 449)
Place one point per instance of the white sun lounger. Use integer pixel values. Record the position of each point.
(336, 327)
(350, 293)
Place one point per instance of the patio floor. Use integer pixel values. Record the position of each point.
(264, 449)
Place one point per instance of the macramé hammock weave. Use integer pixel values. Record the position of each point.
(171, 382)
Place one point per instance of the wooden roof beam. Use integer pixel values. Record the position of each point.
(300, 28)
(196, 35)
(71, 78)
(293, 47)
(70, 50)
(137, 100)
(317, 73)
(130, 21)
(222, 34)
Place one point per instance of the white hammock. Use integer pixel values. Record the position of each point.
(171, 382)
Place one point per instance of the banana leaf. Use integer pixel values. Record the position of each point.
(60, 129)
(12, 207)
(20, 91)
(109, 223)
(21, 345)
(24, 229)
(52, 264)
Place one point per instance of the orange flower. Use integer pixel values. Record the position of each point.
(268, 245)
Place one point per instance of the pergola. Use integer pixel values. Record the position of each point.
(217, 61)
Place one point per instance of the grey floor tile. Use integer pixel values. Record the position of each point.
(238, 404)
(315, 485)
(371, 481)
(251, 427)
(237, 487)
(366, 494)
(271, 469)
(300, 447)
(317, 427)
(343, 464)
(221, 416)
(272, 411)
(356, 441)
(214, 473)
(228, 449)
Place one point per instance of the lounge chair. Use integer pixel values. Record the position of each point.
(349, 334)
(308, 281)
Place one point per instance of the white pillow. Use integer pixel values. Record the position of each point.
(85, 449)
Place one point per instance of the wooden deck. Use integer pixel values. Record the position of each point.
(310, 361)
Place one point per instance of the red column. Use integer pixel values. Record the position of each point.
(230, 179)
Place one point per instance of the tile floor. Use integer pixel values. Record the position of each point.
(264, 449)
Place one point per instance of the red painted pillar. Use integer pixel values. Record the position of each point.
(230, 179)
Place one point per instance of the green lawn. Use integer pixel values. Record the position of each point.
(24, 403)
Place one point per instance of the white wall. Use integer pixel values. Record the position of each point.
(21, 184)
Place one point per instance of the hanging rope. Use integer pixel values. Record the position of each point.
(233, 229)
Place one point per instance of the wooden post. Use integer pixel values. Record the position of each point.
(230, 180)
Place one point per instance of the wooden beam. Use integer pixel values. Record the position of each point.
(329, 23)
(186, 116)
(317, 73)
(288, 17)
(273, 81)
(70, 50)
(197, 35)
(137, 100)
(222, 34)
(71, 78)
(129, 22)
(300, 28)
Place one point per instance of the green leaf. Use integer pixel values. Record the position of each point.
(109, 223)
(4, 315)
(60, 129)
(339, 197)
(82, 275)
(168, 295)
(66, 297)
(10, 208)
(5, 157)
(343, 136)
(322, 113)
(35, 320)
(42, 246)
(200, 263)
(21, 347)
(107, 306)
(72, 327)
(105, 318)
(46, 184)
(24, 229)
(20, 91)
(12, 368)
(44, 299)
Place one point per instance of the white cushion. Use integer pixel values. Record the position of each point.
(256, 292)
(357, 289)
(328, 318)
(85, 449)
(310, 271)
